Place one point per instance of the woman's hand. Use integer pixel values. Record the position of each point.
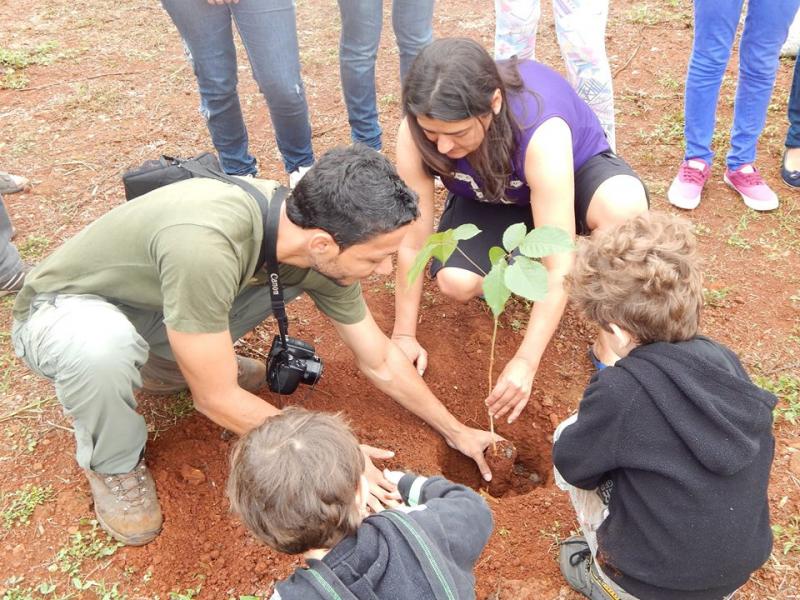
(413, 351)
(512, 390)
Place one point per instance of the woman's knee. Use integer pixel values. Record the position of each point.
(459, 284)
(617, 200)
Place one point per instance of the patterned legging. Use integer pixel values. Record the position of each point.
(580, 28)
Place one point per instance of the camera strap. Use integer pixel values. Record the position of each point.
(270, 219)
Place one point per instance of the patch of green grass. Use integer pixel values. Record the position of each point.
(183, 406)
(13, 61)
(716, 298)
(787, 389)
(18, 506)
(788, 536)
(92, 543)
(735, 237)
(669, 130)
(33, 247)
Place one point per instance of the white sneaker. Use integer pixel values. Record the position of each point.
(296, 176)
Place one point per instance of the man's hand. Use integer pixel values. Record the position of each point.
(382, 492)
(472, 442)
(512, 390)
(413, 350)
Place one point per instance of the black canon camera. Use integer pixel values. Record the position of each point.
(290, 365)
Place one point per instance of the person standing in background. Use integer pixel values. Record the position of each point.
(715, 22)
(12, 269)
(268, 32)
(362, 21)
(581, 30)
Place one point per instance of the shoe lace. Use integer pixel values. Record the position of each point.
(688, 173)
(129, 488)
(750, 179)
(578, 556)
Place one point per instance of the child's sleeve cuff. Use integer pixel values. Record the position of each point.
(410, 488)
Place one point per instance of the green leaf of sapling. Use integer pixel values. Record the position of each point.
(513, 236)
(526, 278)
(546, 240)
(465, 231)
(495, 291)
(420, 262)
(496, 254)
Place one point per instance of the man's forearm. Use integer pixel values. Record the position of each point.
(239, 411)
(397, 378)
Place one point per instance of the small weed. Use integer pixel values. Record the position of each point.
(33, 247)
(787, 389)
(716, 298)
(669, 130)
(503, 532)
(93, 543)
(517, 325)
(788, 536)
(99, 588)
(735, 239)
(19, 506)
(183, 405)
(43, 591)
(701, 230)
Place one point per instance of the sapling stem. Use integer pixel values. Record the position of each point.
(491, 379)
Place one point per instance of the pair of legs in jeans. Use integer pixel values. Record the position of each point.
(358, 50)
(715, 22)
(268, 32)
(580, 29)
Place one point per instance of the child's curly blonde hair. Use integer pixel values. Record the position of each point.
(642, 275)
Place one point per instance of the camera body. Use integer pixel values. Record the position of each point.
(288, 367)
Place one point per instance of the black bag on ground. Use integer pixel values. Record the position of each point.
(157, 173)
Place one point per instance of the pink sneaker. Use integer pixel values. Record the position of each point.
(687, 187)
(754, 191)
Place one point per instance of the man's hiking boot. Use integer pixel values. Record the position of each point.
(162, 376)
(126, 504)
(577, 567)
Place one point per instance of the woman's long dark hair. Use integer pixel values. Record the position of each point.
(454, 79)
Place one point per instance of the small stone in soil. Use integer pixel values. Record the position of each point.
(192, 475)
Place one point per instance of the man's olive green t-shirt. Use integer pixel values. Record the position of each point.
(187, 250)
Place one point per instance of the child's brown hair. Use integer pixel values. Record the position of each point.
(643, 275)
(294, 479)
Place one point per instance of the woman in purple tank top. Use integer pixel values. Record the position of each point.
(512, 142)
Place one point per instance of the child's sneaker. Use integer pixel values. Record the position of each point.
(687, 187)
(754, 191)
(577, 566)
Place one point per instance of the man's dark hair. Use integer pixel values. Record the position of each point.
(353, 193)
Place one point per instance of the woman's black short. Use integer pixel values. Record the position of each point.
(494, 218)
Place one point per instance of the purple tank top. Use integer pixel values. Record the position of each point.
(554, 97)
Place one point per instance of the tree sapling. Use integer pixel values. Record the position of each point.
(514, 270)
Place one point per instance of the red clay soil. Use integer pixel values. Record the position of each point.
(120, 93)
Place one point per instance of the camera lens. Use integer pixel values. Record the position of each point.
(313, 371)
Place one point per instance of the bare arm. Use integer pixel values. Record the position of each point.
(390, 371)
(407, 297)
(208, 362)
(550, 173)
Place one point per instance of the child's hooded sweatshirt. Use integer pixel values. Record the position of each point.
(683, 440)
(378, 562)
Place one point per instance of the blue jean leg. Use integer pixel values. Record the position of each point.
(765, 29)
(793, 133)
(358, 51)
(208, 35)
(412, 21)
(362, 21)
(715, 24)
(269, 33)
